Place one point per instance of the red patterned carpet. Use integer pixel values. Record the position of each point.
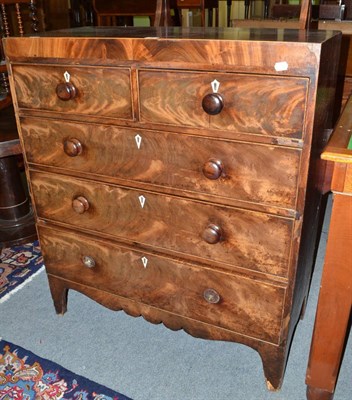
(18, 265)
(25, 376)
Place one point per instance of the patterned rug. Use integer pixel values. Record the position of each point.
(25, 376)
(18, 265)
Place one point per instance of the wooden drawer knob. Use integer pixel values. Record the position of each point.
(213, 169)
(66, 91)
(211, 296)
(88, 261)
(213, 103)
(72, 147)
(80, 205)
(212, 234)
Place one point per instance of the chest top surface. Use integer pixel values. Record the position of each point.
(278, 51)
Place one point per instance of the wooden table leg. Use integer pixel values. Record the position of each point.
(334, 304)
(16, 216)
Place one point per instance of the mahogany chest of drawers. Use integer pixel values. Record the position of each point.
(175, 173)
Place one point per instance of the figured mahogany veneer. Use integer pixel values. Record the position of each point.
(106, 91)
(168, 284)
(175, 173)
(167, 222)
(222, 168)
(229, 106)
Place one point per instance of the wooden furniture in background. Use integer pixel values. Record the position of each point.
(18, 17)
(113, 13)
(335, 297)
(169, 170)
(82, 13)
(16, 216)
(285, 11)
(332, 10)
(344, 86)
(58, 14)
(202, 5)
(325, 10)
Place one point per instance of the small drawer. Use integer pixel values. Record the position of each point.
(226, 235)
(229, 170)
(229, 301)
(75, 90)
(256, 104)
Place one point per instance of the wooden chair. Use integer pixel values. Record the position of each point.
(285, 11)
(121, 12)
(16, 215)
(202, 5)
(329, 9)
(81, 13)
(326, 10)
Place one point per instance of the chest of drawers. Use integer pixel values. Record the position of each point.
(175, 174)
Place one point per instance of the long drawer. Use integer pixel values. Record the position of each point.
(229, 170)
(246, 239)
(258, 104)
(233, 302)
(99, 91)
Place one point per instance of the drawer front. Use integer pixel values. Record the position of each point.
(98, 91)
(237, 237)
(248, 172)
(245, 306)
(264, 105)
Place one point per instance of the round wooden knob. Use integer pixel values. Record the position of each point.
(213, 103)
(213, 169)
(88, 261)
(72, 147)
(66, 91)
(212, 234)
(80, 205)
(211, 296)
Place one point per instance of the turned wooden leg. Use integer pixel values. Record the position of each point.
(16, 217)
(59, 294)
(14, 202)
(334, 304)
(274, 364)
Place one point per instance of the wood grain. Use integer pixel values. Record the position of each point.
(104, 91)
(168, 223)
(251, 50)
(248, 100)
(337, 150)
(164, 283)
(168, 159)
